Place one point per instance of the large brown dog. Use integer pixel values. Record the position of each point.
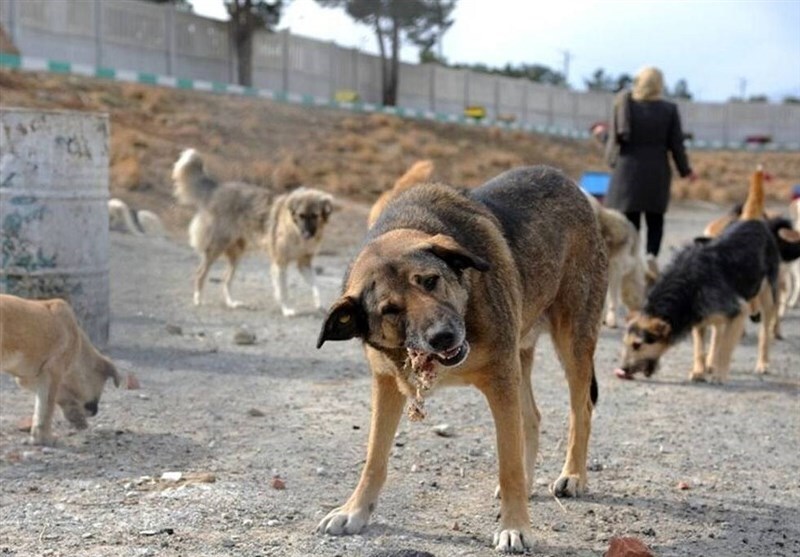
(233, 216)
(42, 345)
(454, 288)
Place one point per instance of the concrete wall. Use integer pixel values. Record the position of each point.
(132, 35)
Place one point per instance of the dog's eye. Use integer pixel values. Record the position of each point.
(429, 283)
(649, 338)
(390, 309)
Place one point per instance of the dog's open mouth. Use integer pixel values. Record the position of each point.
(454, 356)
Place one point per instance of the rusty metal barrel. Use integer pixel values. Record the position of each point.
(54, 211)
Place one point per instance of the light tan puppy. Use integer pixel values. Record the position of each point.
(42, 345)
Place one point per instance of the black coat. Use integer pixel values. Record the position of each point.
(641, 177)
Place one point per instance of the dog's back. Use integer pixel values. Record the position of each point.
(543, 214)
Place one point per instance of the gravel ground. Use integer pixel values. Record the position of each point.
(246, 415)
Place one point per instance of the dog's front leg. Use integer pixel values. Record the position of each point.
(699, 364)
(307, 272)
(515, 533)
(278, 274)
(43, 409)
(387, 408)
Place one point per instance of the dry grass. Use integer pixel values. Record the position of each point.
(280, 146)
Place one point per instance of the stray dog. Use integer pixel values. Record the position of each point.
(627, 274)
(454, 288)
(788, 240)
(295, 230)
(42, 345)
(233, 216)
(122, 218)
(793, 288)
(712, 282)
(420, 172)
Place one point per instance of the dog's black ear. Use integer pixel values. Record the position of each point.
(345, 320)
(455, 255)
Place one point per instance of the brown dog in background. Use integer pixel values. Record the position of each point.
(233, 216)
(454, 287)
(418, 173)
(42, 345)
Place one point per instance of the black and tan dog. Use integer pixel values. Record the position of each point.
(454, 288)
(233, 216)
(712, 282)
(44, 347)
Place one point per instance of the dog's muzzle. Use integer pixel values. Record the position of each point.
(91, 408)
(648, 367)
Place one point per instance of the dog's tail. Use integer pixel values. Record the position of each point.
(192, 185)
(419, 172)
(754, 204)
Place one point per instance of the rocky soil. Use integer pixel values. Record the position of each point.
(239, 450)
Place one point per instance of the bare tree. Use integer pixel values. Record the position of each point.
(421, 22)
(247, 16)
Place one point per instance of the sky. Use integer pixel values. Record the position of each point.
(722, 48)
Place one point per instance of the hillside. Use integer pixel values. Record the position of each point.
(353, 155)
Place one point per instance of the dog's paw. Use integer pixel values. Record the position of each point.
(698, 377)
(198, 301)
(344, 522)
(234, 304)
(513, 540)
(762, 368)
(568, 486)
(611, 320)
(288, 312)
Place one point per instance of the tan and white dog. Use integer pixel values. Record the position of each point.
(42, 345)
(627, 274)
(122, 218)
(792, 294)
(233, 216)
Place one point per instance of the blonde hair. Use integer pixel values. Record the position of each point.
(648, 85)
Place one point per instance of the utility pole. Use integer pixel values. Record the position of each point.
(567, 57)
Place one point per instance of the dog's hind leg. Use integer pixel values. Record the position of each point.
(233, 254)
(770, 315)
(794, 274)
(614, 294)
(207, 258)
(387, 408)
(307, 272)
(575, 339)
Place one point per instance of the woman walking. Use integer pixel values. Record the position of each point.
(644, 130)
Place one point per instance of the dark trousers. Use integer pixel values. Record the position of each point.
(655, 229)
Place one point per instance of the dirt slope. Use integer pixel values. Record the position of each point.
(355, 155)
